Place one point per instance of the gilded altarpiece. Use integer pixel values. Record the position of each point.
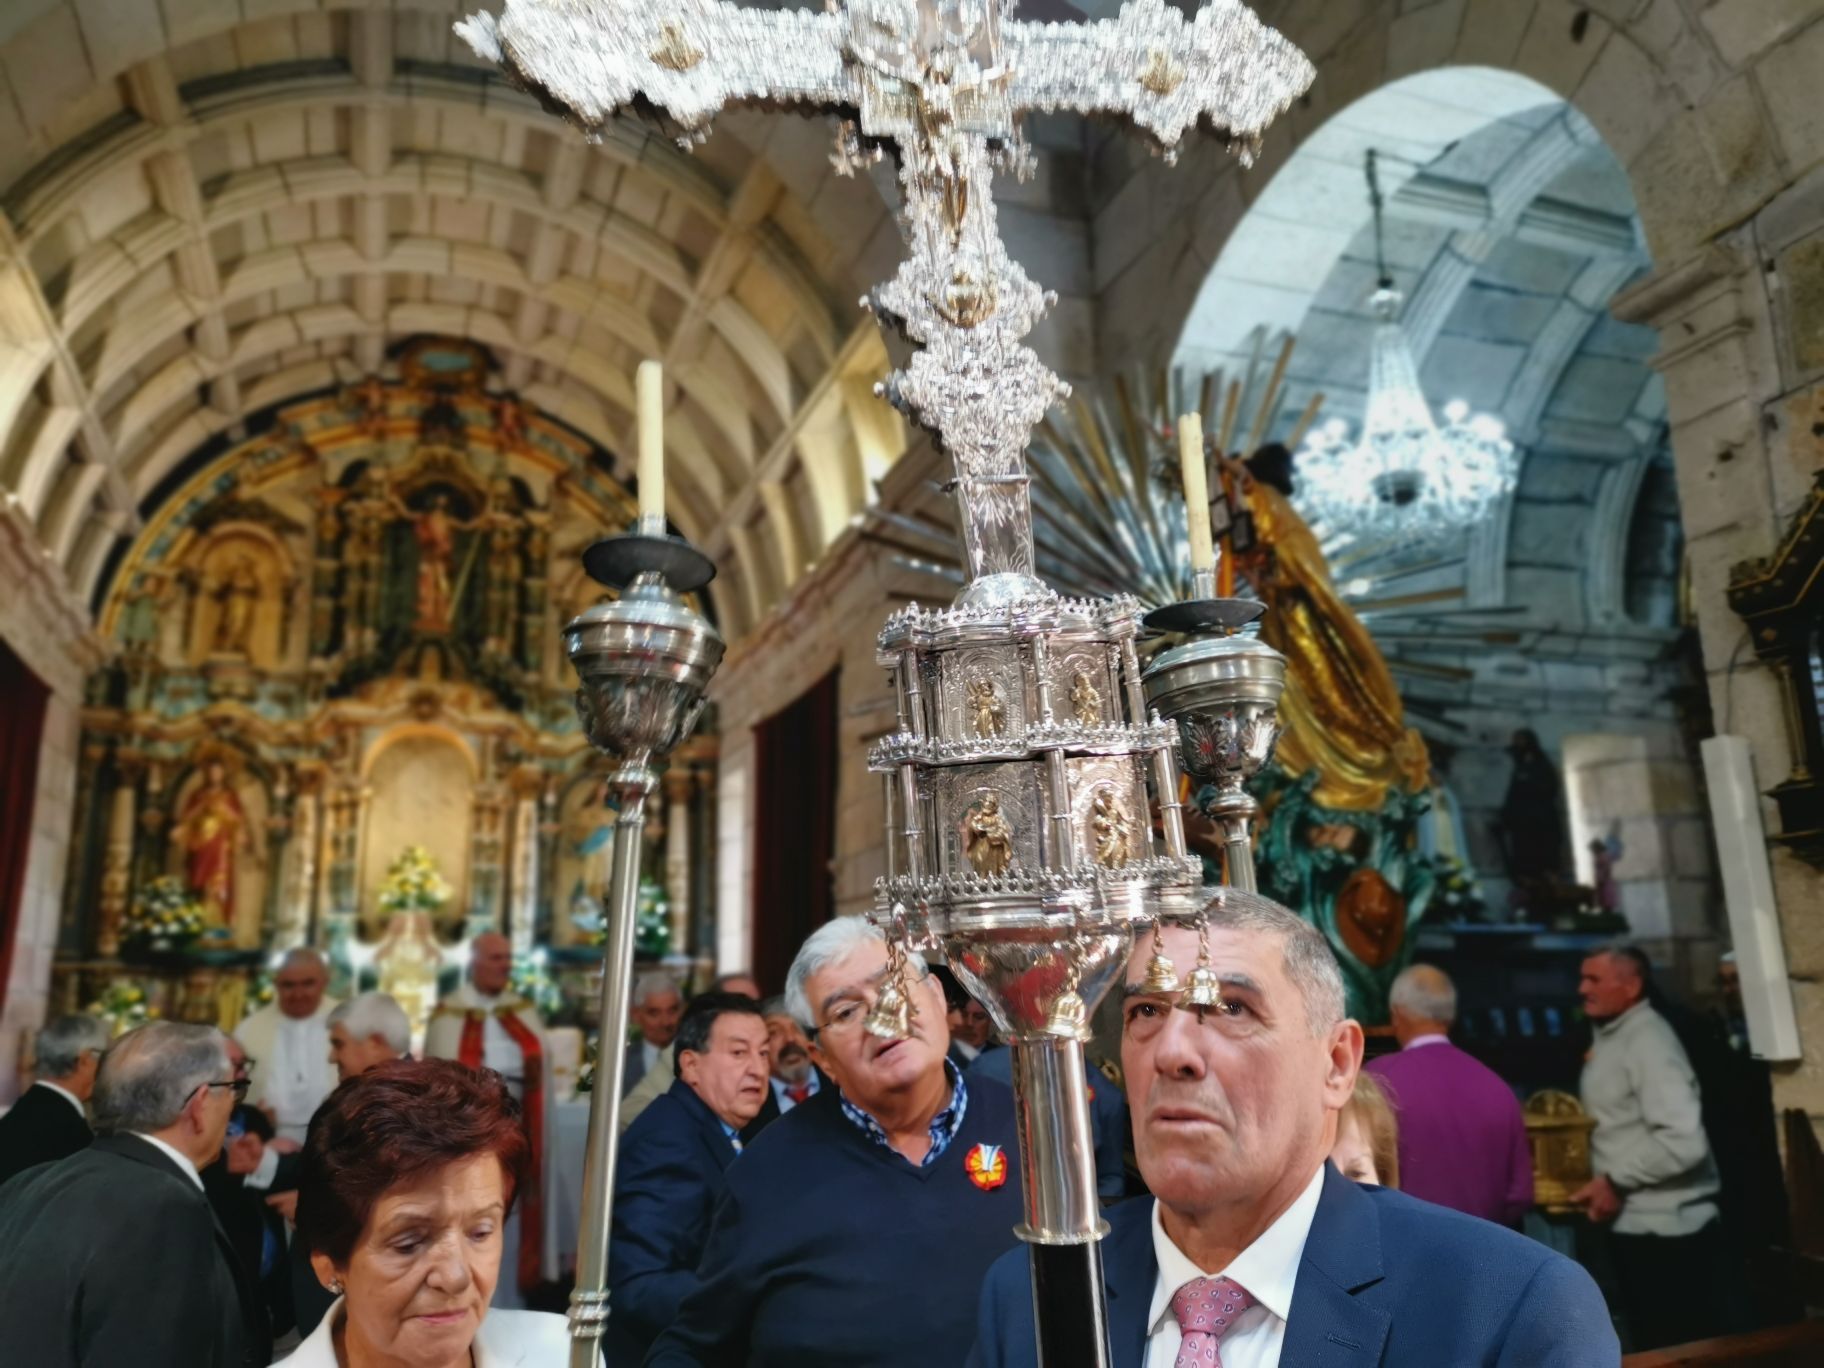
(340, 638)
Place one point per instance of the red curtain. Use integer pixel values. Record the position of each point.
(22, 700)
(794, 829)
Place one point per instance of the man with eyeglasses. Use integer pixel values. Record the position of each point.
(857, 1228)
(112, 1256)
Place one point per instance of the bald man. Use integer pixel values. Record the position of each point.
(287, 1045)
(484, 1024)
(1462, 1138)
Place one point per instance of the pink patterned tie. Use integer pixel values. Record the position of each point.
(1206, 1309)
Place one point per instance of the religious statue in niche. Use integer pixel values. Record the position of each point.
(1113, 832)
(987, 837)
(986, 713)
(435, 529)
(504, 528)
(237, 597)
(214, 833)
(1086, 700)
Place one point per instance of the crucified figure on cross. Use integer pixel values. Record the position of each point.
(942, 85)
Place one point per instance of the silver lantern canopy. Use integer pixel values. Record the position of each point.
(643, 661)
(1222, 693)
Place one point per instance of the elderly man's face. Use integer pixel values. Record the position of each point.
(867, 1068)
(657, 1017)
(490, 964)
(1230, 1103)
(1608, 987)
(353, 1056)
(730, 1076)
(790, 1048)
(300, 987)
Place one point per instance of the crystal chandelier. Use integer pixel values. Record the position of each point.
(1405, 479)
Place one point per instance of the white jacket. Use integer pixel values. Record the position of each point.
(507, 1339)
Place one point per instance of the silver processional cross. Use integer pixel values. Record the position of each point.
(943, 84)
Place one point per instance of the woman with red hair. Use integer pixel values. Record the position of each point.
(405, 1183)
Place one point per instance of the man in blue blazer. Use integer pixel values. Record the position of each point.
(1253, 1251)
(672, 1163)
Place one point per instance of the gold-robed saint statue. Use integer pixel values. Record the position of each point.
(214, 834)
(1341, 713)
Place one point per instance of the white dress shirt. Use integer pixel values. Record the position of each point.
(1268, 1269)
(67, 1096)
(785, 1102)
(302, 1075)
(178, 1157)
(649, 1055)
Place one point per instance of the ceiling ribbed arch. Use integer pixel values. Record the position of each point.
(209, 213)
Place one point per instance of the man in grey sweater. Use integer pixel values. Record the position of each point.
(1655, 1178)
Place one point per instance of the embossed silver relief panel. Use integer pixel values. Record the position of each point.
(1108, 808)
(983, 694)
(1083, 688)
(989, 819)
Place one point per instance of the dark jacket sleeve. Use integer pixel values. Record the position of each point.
(1560, 1321)
(163, 1323)
(1111, 1142)
(661, 1206)
(714, 1324)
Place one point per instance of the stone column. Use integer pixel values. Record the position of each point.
(522, 900)
(117, 857)
(679, 784)
(1734, 378)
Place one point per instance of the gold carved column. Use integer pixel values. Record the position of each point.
(117, 856)
(680, 783)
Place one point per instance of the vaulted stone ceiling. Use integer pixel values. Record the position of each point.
(213, 206)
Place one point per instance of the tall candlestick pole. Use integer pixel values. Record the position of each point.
(649, 386)
(1196, 502)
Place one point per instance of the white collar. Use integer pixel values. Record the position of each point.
(1430, 1038)
(178, 1157)
(1268, 1268)
(66, 1094)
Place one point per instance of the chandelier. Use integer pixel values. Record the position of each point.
(1406, 479)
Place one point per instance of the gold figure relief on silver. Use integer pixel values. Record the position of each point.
(987, 836)
(1085, 700)
(987, 715)
(1111, 829)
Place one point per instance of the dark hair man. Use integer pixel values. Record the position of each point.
(670, 1177)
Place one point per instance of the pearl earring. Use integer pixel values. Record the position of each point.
(335, 1286)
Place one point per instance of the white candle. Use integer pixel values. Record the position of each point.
(649, 385)
(1196, 491)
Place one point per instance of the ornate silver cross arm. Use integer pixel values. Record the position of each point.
(943, 84)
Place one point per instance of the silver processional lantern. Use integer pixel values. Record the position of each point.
(643, 661)
(1022, 774)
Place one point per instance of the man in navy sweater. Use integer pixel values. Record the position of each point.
(857, 1229)
(1253, 1250)
(672, 1164)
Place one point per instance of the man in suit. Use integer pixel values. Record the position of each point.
(287, 1044)
(672, 1161)
(1462, 1139)
(112, 1256)
(857, 1229)
(1253, 1251)
(657, 1007)
(796, 1078)
(48, 1121)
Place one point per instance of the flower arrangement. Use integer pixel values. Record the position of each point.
(533, 982)
(652, 920)
(123, 1006)
(413, 884)
(1458, 893)
(165, 916)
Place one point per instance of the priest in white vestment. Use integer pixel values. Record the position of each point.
(485, 1025)
(287, 1044)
